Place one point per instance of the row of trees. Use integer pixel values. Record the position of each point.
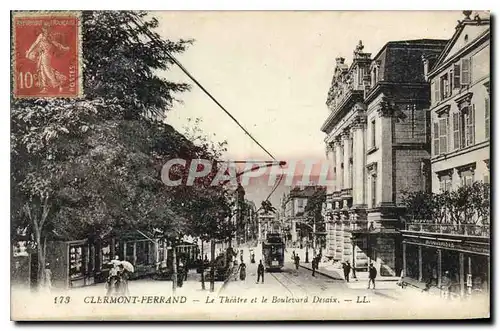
(468, 204)
(81, 167)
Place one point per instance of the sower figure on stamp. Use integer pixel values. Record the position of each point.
(260, 272)
(372, 274)
(41, 52)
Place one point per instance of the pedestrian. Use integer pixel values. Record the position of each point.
(314, 265)
(186, 271)
(446, 284)
(113, 280)
(297, 261)
(260, 272)
(123, 283)
(372, 274)
(347, 270)
(354, 273)
(48, 277)
(243, 271)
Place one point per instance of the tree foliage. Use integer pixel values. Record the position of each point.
(468, 204)
(82, 166)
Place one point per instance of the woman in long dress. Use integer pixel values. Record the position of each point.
(41, 52)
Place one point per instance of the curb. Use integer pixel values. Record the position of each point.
(321, 273)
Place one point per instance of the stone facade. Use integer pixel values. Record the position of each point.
(377, 142)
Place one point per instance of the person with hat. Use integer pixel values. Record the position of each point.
(372, 274)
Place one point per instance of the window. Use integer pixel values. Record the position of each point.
(456, 131)
(456, 76)
(374, 76)
(445, 183)
(437, 93)
(76, 261)
(467, 178)
(445, 89)
(465, 74)
(374, 189)
(373, 132)
(487, 117)
(436, 137)
(443, 135)
(467, 126)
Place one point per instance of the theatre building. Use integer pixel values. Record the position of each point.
(460, 132)
(377, 145)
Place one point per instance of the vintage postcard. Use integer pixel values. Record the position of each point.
(250, 165)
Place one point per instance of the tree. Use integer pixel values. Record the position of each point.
(79, 165)
(313, 209)
(467, 205)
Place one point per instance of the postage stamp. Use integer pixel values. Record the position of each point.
(46, 55)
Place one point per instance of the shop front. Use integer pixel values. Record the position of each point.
(432, 261)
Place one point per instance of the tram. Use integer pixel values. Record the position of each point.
(273, 252)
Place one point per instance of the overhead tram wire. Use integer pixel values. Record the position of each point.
(154, 39)
(162, 45)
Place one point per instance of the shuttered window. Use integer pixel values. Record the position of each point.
(456, 76)
(465, 74)
(436, 138)
(456, 131)
(443, 135)
(437, 93)
(469, 121)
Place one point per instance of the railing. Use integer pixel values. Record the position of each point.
(459, 229)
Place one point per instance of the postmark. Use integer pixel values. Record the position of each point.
(46, 55)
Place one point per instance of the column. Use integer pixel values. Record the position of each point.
(347, 146)
(332, 165)
(462, 273)
(134, 262)
(339, 176)
(384, 141)
(469, 289)
(420, 275)
(359, 162)
(439, 257)
(404, 259)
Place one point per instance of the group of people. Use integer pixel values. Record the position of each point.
(117, 282)
(242, 268)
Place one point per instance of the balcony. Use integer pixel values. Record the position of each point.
(470, 230)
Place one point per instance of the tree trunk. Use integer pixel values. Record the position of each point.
(41, 260)
(202, 267)
(212, 267)
(174, 267)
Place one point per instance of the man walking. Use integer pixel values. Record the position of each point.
(372, 274)
(260, 272)
(347, 270)
(297, 261)
(314, 265)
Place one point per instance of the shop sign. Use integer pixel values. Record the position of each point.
(460, 246)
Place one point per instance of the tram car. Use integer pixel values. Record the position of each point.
(273, 252)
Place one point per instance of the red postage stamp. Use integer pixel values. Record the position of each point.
(46, 55)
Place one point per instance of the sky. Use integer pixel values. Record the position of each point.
(272, 70)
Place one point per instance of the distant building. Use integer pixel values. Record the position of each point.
(377, 144)
(294, 218)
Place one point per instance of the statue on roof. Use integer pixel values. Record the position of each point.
(359, 47)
